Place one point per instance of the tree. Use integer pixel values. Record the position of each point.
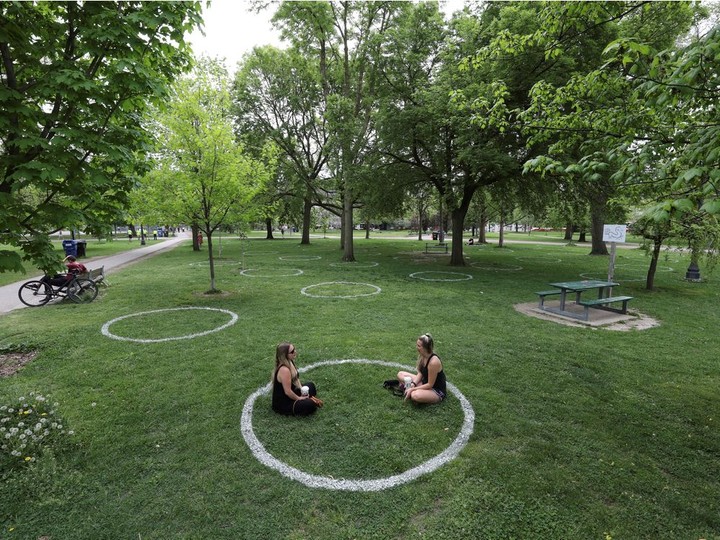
(75, 79)
(278, 95)
(200, 161)
(344, 40)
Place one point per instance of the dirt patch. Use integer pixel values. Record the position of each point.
(217, 294)
(632, 320)
(10, 363)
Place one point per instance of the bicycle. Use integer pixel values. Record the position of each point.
(38, 293)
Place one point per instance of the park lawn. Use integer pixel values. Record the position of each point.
(578, 432)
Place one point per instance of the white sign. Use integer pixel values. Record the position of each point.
(614, 233)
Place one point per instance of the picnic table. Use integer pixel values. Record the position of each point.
(603, 300)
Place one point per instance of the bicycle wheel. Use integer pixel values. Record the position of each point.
(35, 293)
(82, 291)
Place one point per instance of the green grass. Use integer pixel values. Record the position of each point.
(579, 433)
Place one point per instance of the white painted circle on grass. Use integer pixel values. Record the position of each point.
(206, 264)
(106, 327)
(354, 265)
(304, 290)
(344, 484)
(463, 277)
(497, 268)
(300, 258)
(297, 272)
(589, 275)
(540, 258)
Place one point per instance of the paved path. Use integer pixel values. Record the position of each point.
(9, 293)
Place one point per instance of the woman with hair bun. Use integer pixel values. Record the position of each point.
(428, 385)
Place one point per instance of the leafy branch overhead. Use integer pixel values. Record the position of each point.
(75, 79)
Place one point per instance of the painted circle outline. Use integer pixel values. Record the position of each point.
(370, 264)
(106, 332)
(414, 275)
(304, 289)
(378, 484)
(205, 264)
(644, 269)
(591, 275)
(539, 258)
(507, 268)
(300, 258)
(298, 272)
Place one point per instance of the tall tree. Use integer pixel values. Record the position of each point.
(279, 95)
(200, 161)
(344, 40)
(75, 78)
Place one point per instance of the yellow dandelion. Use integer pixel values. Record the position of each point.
(28, 458)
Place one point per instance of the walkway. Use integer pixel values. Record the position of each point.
(9, 293)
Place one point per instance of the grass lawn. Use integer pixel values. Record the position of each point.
(579, 433)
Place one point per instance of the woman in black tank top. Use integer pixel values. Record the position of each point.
(287, 397)
(428, 385)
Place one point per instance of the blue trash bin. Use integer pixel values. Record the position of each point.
(70, 247)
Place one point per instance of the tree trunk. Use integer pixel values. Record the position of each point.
(569, 232)
(268, 229)
(501, 239)
(367, 230)
(348, 250)
(650, 281)
(582, 236)
(482, 238)
(211, 260)
(458, 222)
(195, 229)
(307, 217)
(597, 221)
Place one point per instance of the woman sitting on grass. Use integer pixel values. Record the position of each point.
(288, 396)
(428, 384)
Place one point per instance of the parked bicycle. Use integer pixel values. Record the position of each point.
(38, 293)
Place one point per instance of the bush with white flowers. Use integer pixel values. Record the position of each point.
(27, 427)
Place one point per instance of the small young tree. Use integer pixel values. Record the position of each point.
(200, 162)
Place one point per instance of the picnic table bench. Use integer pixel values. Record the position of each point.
(603, 303)
(436, 247)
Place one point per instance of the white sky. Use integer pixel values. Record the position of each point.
(231, 30)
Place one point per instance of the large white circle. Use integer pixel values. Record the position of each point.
(465, 277)
(300, 258)
(344, 484)
(305, 289)
(216, 263)
(297, 271)
(354, 264)
(106, 327)
(497, 268)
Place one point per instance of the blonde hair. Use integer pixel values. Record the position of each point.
(427, 344)
(281, 359)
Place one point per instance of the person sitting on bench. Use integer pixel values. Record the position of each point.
(73, 269)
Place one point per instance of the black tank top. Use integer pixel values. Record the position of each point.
(439, 380)
(280, 402)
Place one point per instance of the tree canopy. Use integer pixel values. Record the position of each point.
(75, 79)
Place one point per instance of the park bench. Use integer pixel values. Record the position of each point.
(543, 294)
(603, 303)
(436, 247)
(97, 275)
